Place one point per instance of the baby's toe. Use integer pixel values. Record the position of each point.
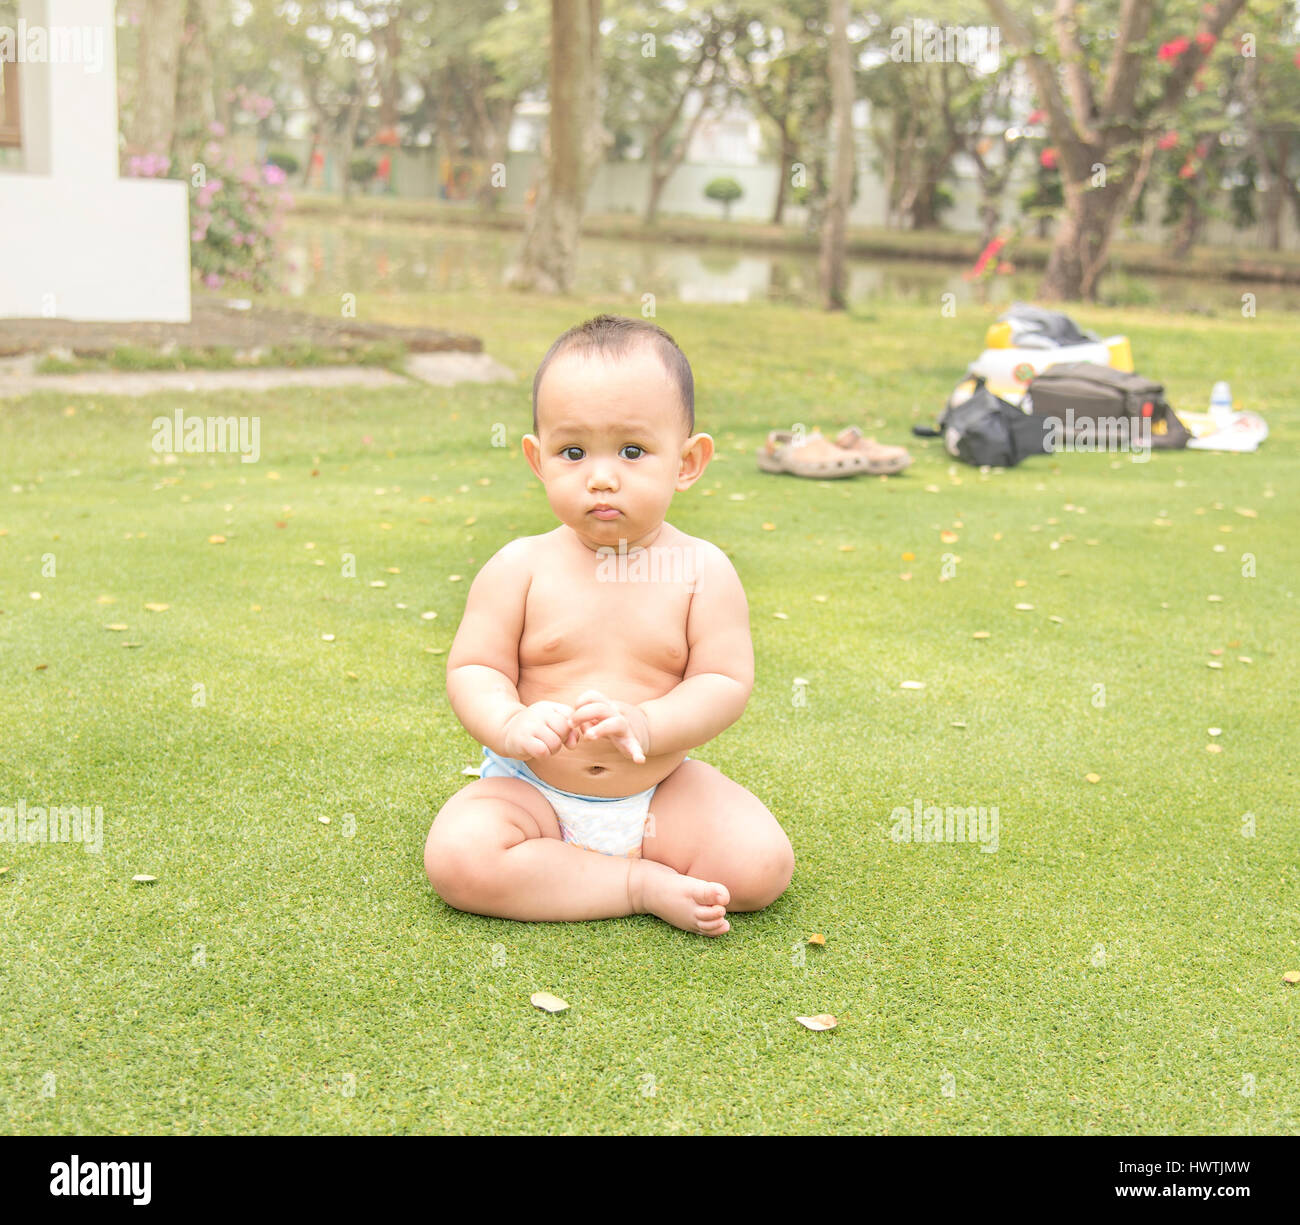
(718, 927)
(709, 914)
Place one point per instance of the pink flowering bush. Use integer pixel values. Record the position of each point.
(235, 213)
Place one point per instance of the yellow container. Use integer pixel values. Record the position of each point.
(998, 336)
(1121, 353)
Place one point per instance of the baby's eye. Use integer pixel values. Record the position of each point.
(573, 453)
(636, 452)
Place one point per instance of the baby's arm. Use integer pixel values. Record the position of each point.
(718, 679)
(483, 665)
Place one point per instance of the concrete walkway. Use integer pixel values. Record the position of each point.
(18, 377)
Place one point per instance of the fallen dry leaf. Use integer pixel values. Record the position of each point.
(116, 628)
(547, 1002)
(157, 607)
(1024, 608)
(1291, 976)
(981, 634)
(817, 938)
(948, 537)
(216, 540)
(327, 637)
(1093, 778)
(1214, 748)
(823, 1020)
(912, 685)
(909, 556)
(144, 880)
(769, 527)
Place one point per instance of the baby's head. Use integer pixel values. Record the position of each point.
(614, 429)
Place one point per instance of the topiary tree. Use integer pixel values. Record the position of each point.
(286, 161)
(726, 191)
(363, 169)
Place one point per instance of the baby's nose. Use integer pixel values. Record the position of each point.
(602, 476)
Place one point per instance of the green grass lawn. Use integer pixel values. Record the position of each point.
(1115, 966)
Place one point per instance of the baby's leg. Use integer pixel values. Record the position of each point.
(705, 825)
(495, 849)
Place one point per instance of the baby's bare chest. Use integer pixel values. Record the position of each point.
(610, 622)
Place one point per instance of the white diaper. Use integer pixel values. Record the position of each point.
(612, 825)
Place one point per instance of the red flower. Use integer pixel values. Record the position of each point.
(1036, 116)
(1205, 40)
(1049, 158)
(1172, 50)
(1167, 141)
(1186, 171)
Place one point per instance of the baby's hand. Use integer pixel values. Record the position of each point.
(596, 717)
(538, 730)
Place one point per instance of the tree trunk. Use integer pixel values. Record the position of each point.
(549, 255)
(348, 142)
(832, 270)
(1082, 239)
(195, 101)
(788, 151)
(153, 116)
(1188, 228)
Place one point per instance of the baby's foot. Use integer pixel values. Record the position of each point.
(687, 902)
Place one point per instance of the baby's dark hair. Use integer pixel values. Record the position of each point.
(616, 336)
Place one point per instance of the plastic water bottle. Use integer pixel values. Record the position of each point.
(1221, 404)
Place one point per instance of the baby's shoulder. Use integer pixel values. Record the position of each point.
(707, 557)
(516, 558)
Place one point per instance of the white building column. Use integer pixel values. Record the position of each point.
(77, 242)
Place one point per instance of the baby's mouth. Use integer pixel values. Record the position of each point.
(605, 512)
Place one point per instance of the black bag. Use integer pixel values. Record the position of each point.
(985, 431)
(1097, 407)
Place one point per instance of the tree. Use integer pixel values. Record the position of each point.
(658, 61)
(152, 120)
(726, 191)
(1104, 119)
(780, 62)
(549, 255)
(834, 225)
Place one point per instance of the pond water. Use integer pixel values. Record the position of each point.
(318, 257)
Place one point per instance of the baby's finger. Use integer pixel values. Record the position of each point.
(559, 722)
(535, 746)
(593, 712)
(592, 695)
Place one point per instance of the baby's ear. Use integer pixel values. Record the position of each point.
(697, 450)
(532, 449)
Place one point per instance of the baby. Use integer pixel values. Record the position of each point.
(591, 659)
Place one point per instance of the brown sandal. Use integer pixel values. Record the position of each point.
(811, 456)
(882, 460)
